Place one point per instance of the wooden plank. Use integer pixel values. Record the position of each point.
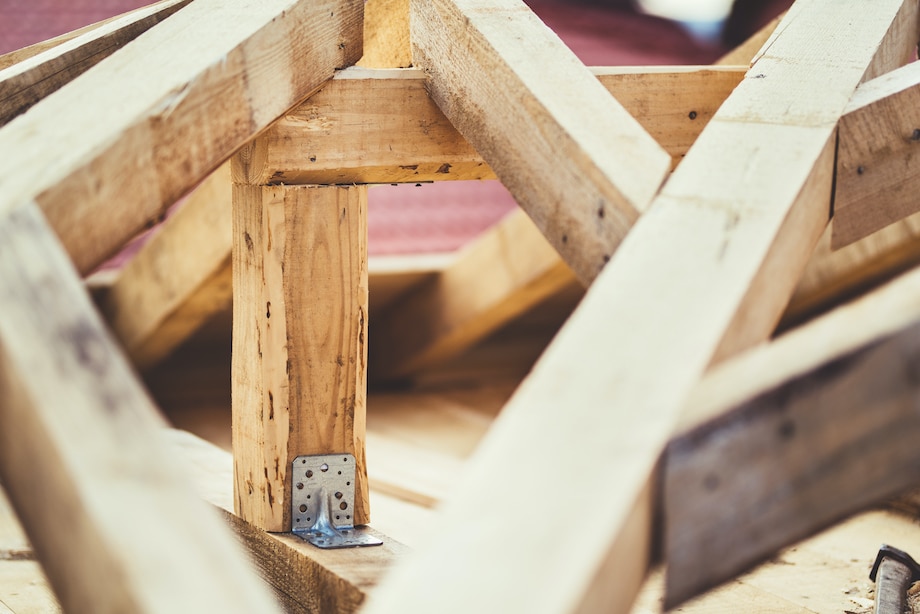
(166, 110)
(878, 169)
(833, 276)
(33, 78)
(166, 295)
(380, 126)
(744, 208)
(789, 438)
(299, 340)
(504, 272)
(547, 128)
(20, 55)
(386, 34)
(305, 578)
(179, 278)
(111, 509)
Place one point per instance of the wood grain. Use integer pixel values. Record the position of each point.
(299, 340)
(27, 81)
(92, 436)
(878, 167)
(702, 273)
(179, 278)
(386, 34)
(500, 275)
(306, 579)
(793, 436)
(166, 110)
(574, 159)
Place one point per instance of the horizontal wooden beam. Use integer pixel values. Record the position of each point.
(34, 77)
(786, 439)
(306, 579)
(137, 131)
(725, 241)
(380, 126)
(878, 168)
(111, 509)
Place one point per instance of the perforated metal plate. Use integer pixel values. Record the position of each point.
(322, 502)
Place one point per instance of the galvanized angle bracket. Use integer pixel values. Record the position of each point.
(322, 502)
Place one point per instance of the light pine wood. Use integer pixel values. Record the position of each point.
(306, 579)
(111, 510)
(574, 159)
(505, 271)
(61, 61)
(108, 152)
(179, 278)
(386, 34)
(20, 55)
(789, 438)
(878, 167)
(702, 273)
(380, 126)
(299, 340)
(374, 124)
(836, 275)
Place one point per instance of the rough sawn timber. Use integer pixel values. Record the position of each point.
(878, 169)
(27, 81)
(299, 340)
(305, 578)
(110, 150)
(574, 159)
(787, 438)
(725, 241)
(179, 278)
(111, 509)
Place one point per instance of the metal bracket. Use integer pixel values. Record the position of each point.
(322, 502)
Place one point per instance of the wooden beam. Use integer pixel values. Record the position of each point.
(578, 445)
(386, 34)
(164, 295)
(20, 55)
(833, 276)
(588, 169)
(504, 272)
(793, 436)
(299, 340)
(380, 126)
(156, 125)
(306, 579)
(179, 278)
(878, 169)
(36, 76)
(111, 510)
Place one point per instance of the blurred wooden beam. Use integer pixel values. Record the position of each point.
(306, 579)
(703, 274)
(878, 169)
(179, 278)
(790, 437)
(30, 74)
(501, 274)
(156, 125)
(544, 124)
(111, 509)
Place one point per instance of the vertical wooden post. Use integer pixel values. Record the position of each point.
(299, 339)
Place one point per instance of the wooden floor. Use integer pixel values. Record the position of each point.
(417, 441)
